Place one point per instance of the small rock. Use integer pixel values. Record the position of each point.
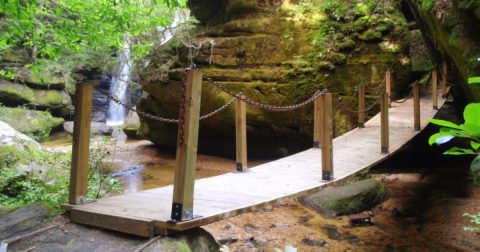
(313, 242)
(227, 240)
(249, 227)
(97, 128)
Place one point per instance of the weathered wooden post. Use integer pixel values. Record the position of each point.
(361, 106)
(241, 134)
(317, 121)
(327, 136)
(388, 85)
(444, 79)
(435, 87)
(416, 106)
(81, 144)
(384, 123)
(183, 187)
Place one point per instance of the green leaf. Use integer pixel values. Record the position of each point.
(474, 80)
(440, 138)
(475, 145)
(475, 165)
(471, 114)
(445, 124)
(459, 151)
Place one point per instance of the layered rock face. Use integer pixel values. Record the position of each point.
(33, 104)
(277, 53)
(451, 29)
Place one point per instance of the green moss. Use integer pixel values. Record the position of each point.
(36, 124)
(371, 35)
(427, 5)
(347, 45)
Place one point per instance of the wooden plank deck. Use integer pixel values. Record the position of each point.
(147, 213)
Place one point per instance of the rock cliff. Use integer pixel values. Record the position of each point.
(278, 53)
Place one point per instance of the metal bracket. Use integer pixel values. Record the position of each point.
(240, 168)
(385, 150)
(316, 144)
(361, 125)
(177, 212)
(327, 176)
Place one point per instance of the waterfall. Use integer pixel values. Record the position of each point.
(116, 113)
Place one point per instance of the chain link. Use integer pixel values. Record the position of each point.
(341, 106)
(144, 114)
(262, 105)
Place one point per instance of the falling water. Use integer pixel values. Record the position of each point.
(116, 113)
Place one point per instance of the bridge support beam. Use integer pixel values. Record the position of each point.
(444, 79)
(186, 157)
(241, 134)
(327, 136)
(384, 104)
(361, 106)
(317, 122)
(416, 106)
(81, 144)
(435, 87)
(388, 85)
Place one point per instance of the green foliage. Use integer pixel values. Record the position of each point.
(48, 182)
(474, 218)
(61, 30)
(427, 5)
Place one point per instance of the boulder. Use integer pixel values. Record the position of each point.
(22, 219)
(97, 128)
(42, 80)
(10, 137)
(36, 124)
(14, 94)
(195, 240)
(273, 55)
(352, 198)
(419, 52)
(132, 124)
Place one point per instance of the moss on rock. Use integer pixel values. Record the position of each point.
(14, 94)
(351, 198)
(36, 124)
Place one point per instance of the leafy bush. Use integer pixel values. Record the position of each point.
(48, 182)
(469, 130)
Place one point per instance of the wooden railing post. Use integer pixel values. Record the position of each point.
(186, 157)
(317, 121)
(361, 106)
(416, 106)
(81, 144)
(327, 137)
(388, 85)
(384, 123)
(241, 134)
(444, 79)
(435, 87)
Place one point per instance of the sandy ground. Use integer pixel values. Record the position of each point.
(420, 215)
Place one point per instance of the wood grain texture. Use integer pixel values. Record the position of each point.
(186, 157)
(241, 134)
(435, 88)
(81, 144)
(327, 137)
(230, 194)
(384, 127)
(361, 105)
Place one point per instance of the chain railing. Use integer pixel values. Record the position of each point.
(257, 104)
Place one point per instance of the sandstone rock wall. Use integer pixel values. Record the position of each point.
(277, 54)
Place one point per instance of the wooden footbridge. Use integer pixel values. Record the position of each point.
(191, 203)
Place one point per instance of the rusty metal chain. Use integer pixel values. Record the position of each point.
(262, 105)
(218, 110)
(410, 95)
(144, 114)
(341, 106)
